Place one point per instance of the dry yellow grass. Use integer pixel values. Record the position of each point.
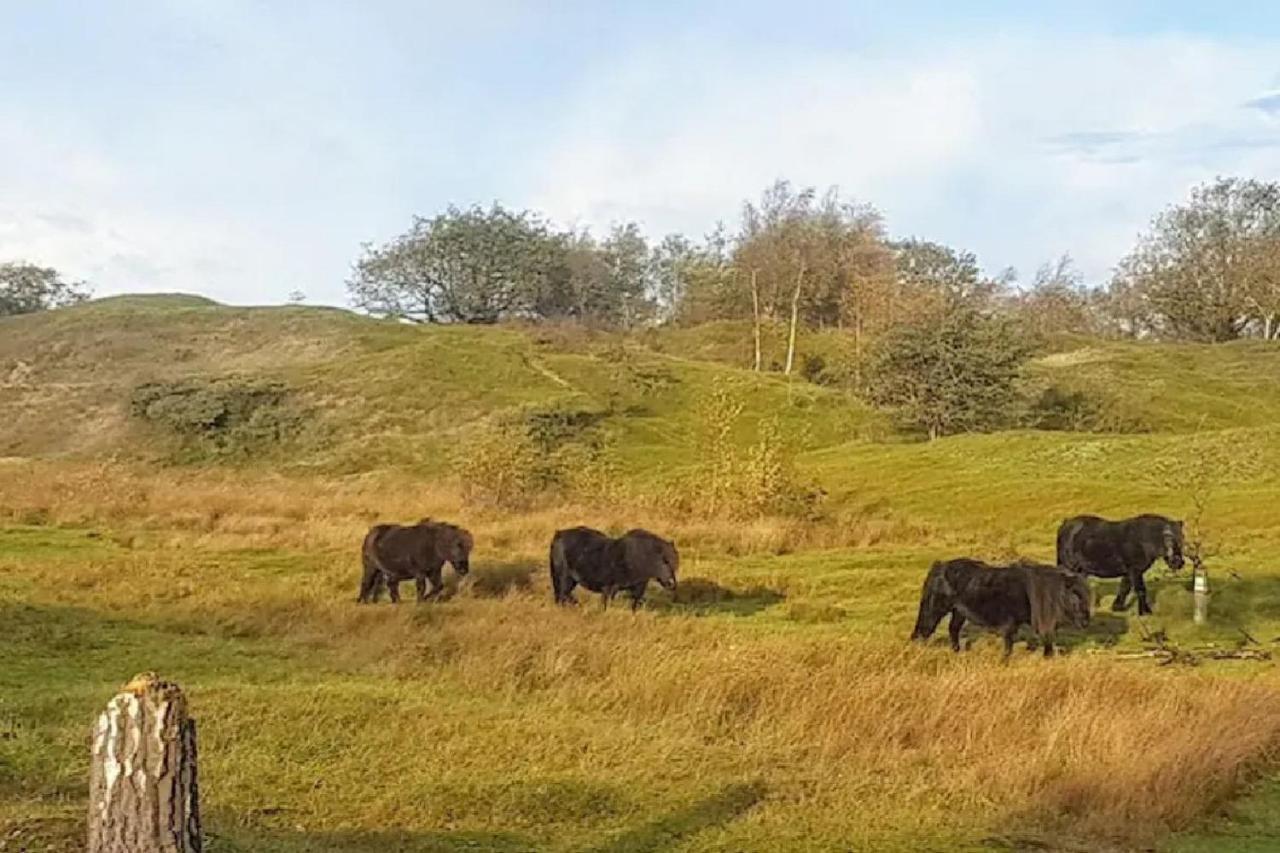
(299, 511)
(839, 741)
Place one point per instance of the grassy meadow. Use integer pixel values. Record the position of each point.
(773, 704)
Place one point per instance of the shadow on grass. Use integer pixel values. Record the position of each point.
(244, 840)
(494, 580)
(671, 830)
(1105, 629)
(700, 596)
(1238, 603)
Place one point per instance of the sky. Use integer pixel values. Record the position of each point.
(246, 150)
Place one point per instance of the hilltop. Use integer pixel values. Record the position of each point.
(387, 394)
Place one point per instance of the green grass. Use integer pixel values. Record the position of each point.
(1250, 826)
(329, 728)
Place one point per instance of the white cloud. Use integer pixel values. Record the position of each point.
(265, 170)
(1018, 148)
(677, 145)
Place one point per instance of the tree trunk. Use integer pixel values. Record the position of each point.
(857, 352)
(755, 313)
(143, 796)
(795, 313)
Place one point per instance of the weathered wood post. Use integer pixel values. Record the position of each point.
(143, 796)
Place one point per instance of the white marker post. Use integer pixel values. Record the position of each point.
(1200, 592)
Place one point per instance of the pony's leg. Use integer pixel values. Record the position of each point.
(1048, 645)
(420, 586)
(393, 589)
(564, 595)
(557, 594)
(437, 584)
(368, 584)
(953, 629)
(1122, 594)
(1140, 587)
(637, 596)
(1009, 632)
(379, 584)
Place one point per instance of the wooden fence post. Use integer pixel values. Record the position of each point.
(143, 796)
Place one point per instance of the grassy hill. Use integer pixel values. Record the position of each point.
(386, 394)
(772, 705)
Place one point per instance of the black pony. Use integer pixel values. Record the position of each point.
(1001, 598)
(1120, 549)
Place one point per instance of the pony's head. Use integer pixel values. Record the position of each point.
(1171, 536)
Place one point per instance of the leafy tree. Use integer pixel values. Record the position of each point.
(607, 282)
(467, 266)
(696, 283)
(810, 259)
(950, 369)
(825, 246)
(1208, 270)
(1264, 291)
(27, 288)
(934, 273)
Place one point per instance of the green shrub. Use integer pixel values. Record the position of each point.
(226, 417)
(633, 379)
(1058, 409)
(500, 465)
(510, 462)
(949, 370)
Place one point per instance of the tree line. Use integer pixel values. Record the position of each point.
(932, 338)
(1207, 269)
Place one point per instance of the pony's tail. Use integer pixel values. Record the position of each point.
(1044, 593)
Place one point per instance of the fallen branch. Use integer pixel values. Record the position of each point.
(1167, 655)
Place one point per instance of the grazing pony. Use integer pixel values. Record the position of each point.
(1001, 598)
(392, 553)
(600, 563)
(1120, 549)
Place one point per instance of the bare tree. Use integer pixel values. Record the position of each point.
(1057, 301)
(795, 314)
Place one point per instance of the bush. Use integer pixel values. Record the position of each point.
(226, 417)
(500, 465)
(510, 462)
(732, 482)
(632, 378)
(1059, 409)
(953, 369)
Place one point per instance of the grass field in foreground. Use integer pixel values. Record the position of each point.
(776, 706)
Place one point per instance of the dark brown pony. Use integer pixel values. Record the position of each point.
(1001, 598)
(392, 553)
